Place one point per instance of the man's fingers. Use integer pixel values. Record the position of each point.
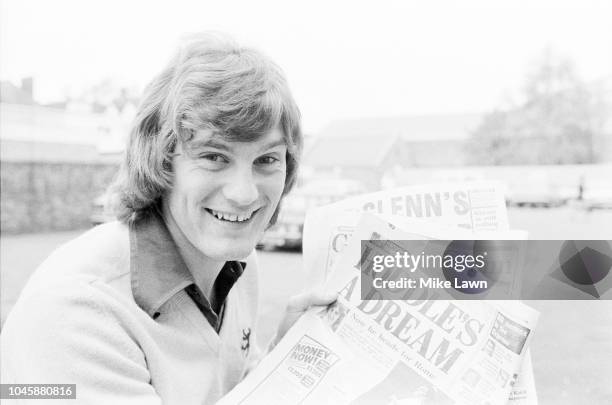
(323, 298)
(302, 302)
(299, 304)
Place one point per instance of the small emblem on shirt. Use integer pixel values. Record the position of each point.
(246, 341)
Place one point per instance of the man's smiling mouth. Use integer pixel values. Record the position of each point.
(232, 217)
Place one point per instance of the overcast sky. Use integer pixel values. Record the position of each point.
(343, 58)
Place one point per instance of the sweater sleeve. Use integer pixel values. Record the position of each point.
(74, 335)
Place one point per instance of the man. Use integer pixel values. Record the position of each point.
(160, 306)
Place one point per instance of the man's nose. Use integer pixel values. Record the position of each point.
(241, 187)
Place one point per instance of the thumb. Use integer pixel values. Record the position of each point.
(302, 302)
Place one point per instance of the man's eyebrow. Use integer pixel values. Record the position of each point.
(209, 143)
(225, 146)
(274, 144)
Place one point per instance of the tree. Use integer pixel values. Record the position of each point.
(557, 123)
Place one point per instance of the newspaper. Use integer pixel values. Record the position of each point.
(478, 209)
(370, 225)
(473, 206)
(409, 352)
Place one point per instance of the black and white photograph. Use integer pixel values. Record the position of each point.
(188, 189)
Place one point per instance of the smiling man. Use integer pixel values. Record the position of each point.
(160, 306)
(225, 192)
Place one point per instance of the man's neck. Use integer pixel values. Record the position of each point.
(203, 269)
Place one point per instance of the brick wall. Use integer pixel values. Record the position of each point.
(50, 196)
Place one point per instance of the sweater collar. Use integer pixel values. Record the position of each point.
(157, 269)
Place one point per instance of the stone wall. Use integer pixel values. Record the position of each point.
(50, 196)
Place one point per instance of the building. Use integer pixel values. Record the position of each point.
(423, 140)
(368, 149)
(55, 161)
(362, 158)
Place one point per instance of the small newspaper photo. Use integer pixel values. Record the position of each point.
(416, 351)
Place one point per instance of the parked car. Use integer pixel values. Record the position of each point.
(597, 194)
(288, 230)
(539, 190)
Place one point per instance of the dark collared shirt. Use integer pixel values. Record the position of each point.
(158, 272)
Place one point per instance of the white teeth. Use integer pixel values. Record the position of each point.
(231, 217)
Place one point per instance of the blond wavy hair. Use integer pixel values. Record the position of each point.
(212, 82)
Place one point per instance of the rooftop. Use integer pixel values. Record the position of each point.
(431, 127)
(358, 151)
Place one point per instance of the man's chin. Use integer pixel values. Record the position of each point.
(231, 252)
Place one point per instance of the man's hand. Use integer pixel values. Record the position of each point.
(299, 304)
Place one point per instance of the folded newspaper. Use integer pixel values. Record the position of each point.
(473, 206)
(419, 351)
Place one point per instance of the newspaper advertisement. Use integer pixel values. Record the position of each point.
(472, 206)
(409, 352)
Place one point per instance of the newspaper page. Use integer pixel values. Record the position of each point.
(523, 383)
(473, 206)
(477, 208)
(410, 352)
(372, 228)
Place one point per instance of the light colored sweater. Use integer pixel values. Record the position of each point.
(76, 321)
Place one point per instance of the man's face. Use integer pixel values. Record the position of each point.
(225, 193)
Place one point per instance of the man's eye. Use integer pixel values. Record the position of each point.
(267, 160)
(214, 157)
